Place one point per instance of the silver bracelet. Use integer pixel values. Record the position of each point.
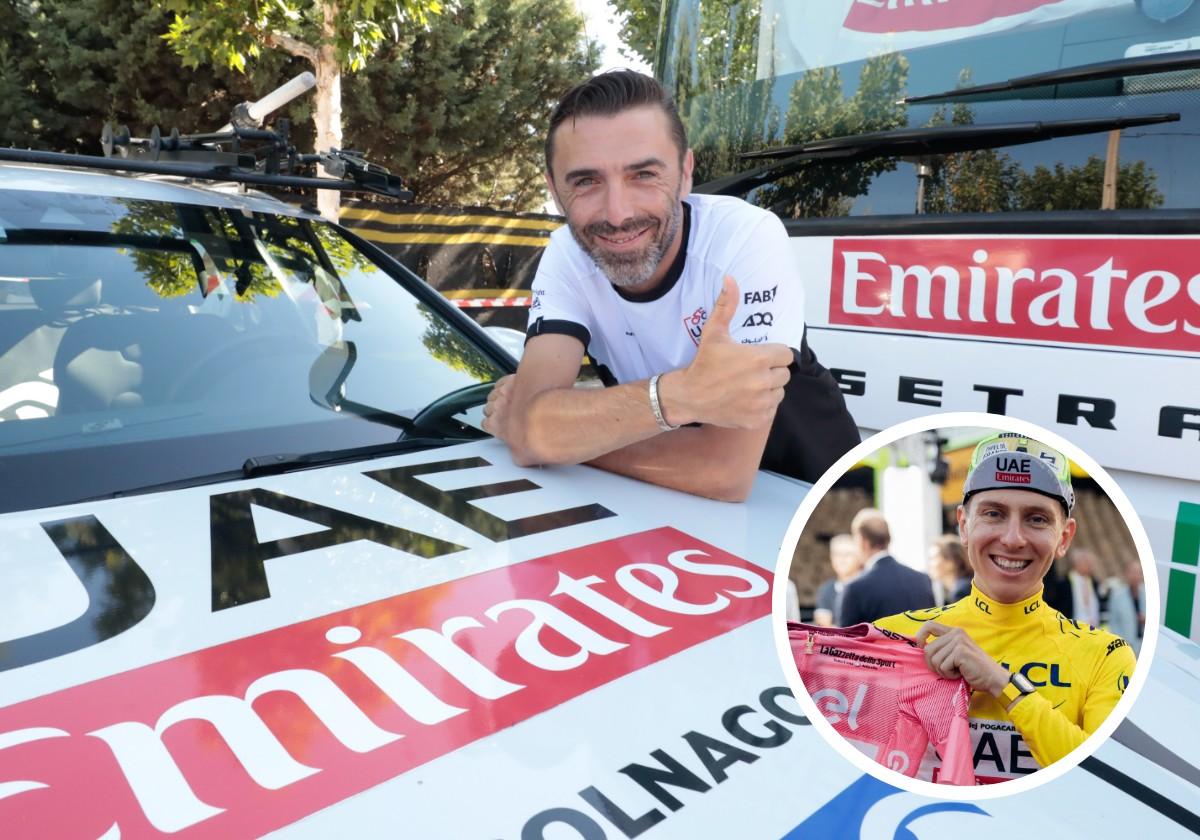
(656, 406)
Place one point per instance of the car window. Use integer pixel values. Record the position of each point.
(210, 333)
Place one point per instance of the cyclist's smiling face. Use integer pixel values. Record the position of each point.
(1013, 538)
(619, 180)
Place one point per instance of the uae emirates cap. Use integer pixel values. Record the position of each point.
(1010, 461)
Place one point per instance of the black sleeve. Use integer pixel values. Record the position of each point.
(542, 326)
(812, 426)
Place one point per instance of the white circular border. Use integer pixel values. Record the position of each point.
(779, 607)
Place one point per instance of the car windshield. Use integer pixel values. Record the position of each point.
(150, 342)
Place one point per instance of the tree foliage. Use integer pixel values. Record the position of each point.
(724, 111)
(980, 181)
(819, 109)
(457, 106)
(639, 27)
(991, 181)
(26, 95)
(86, 62)
(1080, 187)
(461, 111)
(729, 110)
(235, 32)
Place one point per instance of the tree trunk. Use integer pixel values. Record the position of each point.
(1112, 163)
(328, 112)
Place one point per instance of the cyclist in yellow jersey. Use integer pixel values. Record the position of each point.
(1041, 683)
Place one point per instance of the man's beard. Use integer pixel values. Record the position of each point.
(633, 268)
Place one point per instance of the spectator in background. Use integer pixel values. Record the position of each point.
(885, 586)
(1124, 599)
(1085, 601)
(847, 563)
(791, 601)
(1137, 589)
(1057, 589)
(949, 570)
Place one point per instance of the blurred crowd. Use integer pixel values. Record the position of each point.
(869, 583)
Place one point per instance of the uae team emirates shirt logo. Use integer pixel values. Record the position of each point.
(694, 324)
(1142, 293)
(249, 736)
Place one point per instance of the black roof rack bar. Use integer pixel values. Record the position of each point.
(203, 172)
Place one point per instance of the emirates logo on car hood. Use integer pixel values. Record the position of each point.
(248, 736)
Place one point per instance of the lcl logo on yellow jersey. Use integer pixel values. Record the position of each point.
(1048, 671)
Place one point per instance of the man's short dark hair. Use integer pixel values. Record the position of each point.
(610, 93)
(871, 525)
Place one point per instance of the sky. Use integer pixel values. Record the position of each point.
(601, 24)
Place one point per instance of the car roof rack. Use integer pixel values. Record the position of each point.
(241, 152)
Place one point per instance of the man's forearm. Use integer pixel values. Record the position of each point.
(705, 461)
(573, 425)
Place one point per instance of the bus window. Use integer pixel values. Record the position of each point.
(761, 74)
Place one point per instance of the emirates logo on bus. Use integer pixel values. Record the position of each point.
(1142, 293)
(883, 16)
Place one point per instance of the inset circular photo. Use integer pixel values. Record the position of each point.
(966, 606)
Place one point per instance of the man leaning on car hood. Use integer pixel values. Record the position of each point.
(691, 307)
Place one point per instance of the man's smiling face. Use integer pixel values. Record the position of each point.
(619, 180)
(1013, 538)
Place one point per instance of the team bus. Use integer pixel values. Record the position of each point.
(995, 207)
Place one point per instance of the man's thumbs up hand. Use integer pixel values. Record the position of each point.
(716, 328)
(727, 384)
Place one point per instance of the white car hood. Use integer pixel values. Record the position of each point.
(365, 650)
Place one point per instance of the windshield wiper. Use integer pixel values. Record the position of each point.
(914, 142)
(1142, 65)
(284, 462)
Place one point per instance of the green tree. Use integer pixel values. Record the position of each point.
(991, 181)
(728, 110)
(639, 27)
(819, 109)
(88, 62)
(26, 99)
(447, 345)
(461, 111)
(330, 35)
(725, 111)
(980, 181)
(1081, 187)
(453, 107)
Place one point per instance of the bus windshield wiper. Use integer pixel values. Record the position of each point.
(288, 462)
(914, 142)
(1117, 69)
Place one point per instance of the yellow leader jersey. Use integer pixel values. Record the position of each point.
(1080, 673)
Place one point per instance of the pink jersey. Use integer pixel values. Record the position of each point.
(875, 688)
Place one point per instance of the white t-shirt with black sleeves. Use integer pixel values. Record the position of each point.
(631, 337)
(634, 336)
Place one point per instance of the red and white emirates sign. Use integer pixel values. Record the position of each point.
(1142, 293)
(934, 15)
(826, 33)
(249, 736)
